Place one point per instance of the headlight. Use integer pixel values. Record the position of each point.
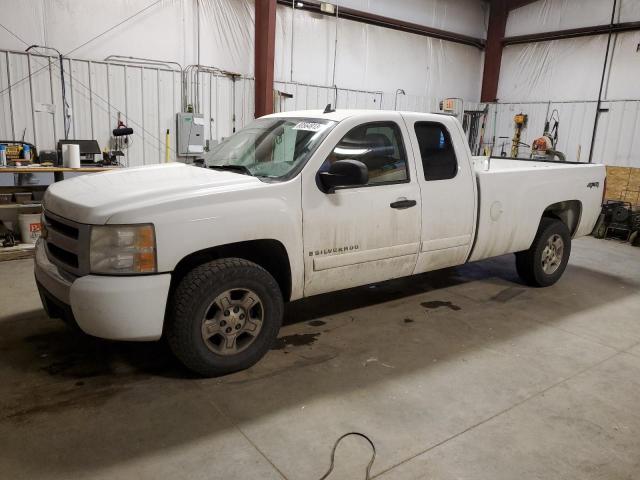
(123, 249)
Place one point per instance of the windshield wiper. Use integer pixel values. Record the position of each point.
(234, 168)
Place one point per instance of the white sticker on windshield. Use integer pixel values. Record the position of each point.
(309, 126)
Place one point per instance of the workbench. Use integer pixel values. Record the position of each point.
(9, 211)
(58, 172)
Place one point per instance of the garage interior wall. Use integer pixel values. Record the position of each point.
(537, 78)
(371, 64)
(147, 96)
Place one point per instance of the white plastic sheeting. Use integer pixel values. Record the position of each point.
(314, 97)
(576, 127)
(167, 29)
(374, 59)
(551, 15)
(570, 69)
(147, 99)
(372, 63)
(468, 17)
(617, 141)
(568, 73)
(559, 70)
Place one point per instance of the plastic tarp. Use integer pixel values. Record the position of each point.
(567, 73)
(570, 69)
(374, 59)
(557, 70)
(468, 17)
(551, 15)
(166, 30)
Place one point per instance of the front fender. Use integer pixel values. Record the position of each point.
(269, 211)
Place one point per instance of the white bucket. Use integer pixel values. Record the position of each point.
(29, 227)
(71, 155)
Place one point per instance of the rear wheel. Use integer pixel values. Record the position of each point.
(544, 263)
(224, 316)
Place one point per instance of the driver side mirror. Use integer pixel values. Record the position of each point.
(344, 173)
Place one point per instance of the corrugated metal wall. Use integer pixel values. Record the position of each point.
(147, 98)
(310, 97)
(617, 140)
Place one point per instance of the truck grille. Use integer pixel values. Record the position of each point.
(67, 243)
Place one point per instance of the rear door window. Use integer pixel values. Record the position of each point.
(436, 150)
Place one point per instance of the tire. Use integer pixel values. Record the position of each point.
(211, 301)
(534, 266)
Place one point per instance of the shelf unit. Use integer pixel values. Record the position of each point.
(9, 211)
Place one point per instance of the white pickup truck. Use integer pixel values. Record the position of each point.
(294, 205)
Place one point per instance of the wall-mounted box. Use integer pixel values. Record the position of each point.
(190, 134)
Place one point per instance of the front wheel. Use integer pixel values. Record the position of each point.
(544, 263)
(224, 316)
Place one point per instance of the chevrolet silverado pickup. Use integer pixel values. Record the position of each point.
(296, 204)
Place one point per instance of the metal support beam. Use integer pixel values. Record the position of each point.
(361, 16)
(493, 51)
(573, 33)
(265, 44)
(513, 4)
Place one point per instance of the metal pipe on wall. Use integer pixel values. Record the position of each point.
(33, 110)
(293, 12)
(142, 60)
(604, 72)
(335, 56)
(13, 129)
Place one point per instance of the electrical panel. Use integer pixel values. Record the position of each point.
(190, 134)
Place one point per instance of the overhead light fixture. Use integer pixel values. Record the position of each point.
(299, 4)
(329, 8)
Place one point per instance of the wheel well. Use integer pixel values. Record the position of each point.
(269, 254)
(568, 212)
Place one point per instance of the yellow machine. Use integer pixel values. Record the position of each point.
(521, 122)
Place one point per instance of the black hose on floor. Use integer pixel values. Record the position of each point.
(335, 446)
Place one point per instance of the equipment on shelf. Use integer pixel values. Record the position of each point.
(48, 156)
(521, 121)
(19, 152)
(88, 150)
(473, 123)
(110, 158)
(544, 147)
(503, 146)
(483, 149)
(7, 236)
(121, 140)
(452, 106)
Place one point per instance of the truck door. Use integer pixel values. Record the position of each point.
(369, 233)
(448, 191)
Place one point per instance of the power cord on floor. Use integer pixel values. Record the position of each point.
(335, 446)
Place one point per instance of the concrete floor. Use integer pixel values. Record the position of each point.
(457, 374)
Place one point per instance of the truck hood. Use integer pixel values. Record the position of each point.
(93, 198)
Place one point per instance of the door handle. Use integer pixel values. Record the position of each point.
(402, 204)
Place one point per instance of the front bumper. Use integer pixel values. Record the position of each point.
(116, 308)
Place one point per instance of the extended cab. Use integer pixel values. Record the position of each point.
(295, 204)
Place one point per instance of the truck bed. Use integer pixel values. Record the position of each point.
(514, 194)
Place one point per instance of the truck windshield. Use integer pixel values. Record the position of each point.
(273, 148)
